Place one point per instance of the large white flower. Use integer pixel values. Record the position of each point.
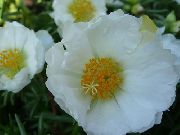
(111, 78)
(21, 56)
(77, 10)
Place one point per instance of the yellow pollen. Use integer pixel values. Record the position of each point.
(11, 62)
(102, 77)
(82, 10)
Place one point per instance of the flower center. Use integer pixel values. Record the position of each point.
(102, 77)
(82, 10)
(11, 62)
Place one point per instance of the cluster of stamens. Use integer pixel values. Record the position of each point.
(102, 77)
(11, 62)
(82, 10)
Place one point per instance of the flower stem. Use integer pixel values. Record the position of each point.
(1, 8)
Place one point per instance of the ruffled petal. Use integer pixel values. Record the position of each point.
(68, 95)
(45, 38)
(114, 35)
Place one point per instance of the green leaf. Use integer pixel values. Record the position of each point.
(20, 125)
(171, 17)
(40, 125)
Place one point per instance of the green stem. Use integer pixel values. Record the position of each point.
(1, 8)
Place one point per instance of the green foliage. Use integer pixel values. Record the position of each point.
(33, 110)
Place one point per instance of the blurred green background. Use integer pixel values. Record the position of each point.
(33, 110)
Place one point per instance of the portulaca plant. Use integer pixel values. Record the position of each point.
(112, 76)
(21, 56)
(112, 72)
(77, 10)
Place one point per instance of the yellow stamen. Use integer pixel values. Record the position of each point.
(102, 77)
(11, 62)
(82, 10)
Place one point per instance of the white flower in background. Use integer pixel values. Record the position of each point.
(115, 3)
(173, 44)
(178, 1)
(111, 78)
(21, 56)
(77, 10)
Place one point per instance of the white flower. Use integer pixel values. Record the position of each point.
(21, 56)
(115, 3)
(172, 44)
(178, 1)
(77, 10)
(111, 79)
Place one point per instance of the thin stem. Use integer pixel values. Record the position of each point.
(1, 8)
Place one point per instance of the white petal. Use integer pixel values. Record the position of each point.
(146, 77)
(69, 95)
(158, 117)
(40, 57)
(177, 67)
(115, 3)
(114, 35)
(30, 51)
(67, 59)
(5, 43)
(45, 38)
(172, 44)
(54, 58)
(136, 115)
(100, 6)
(19, 82)
(11, 36)
(106, 118)
(74, 48)
(60, 11)
(71, 29)
(76, 60)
